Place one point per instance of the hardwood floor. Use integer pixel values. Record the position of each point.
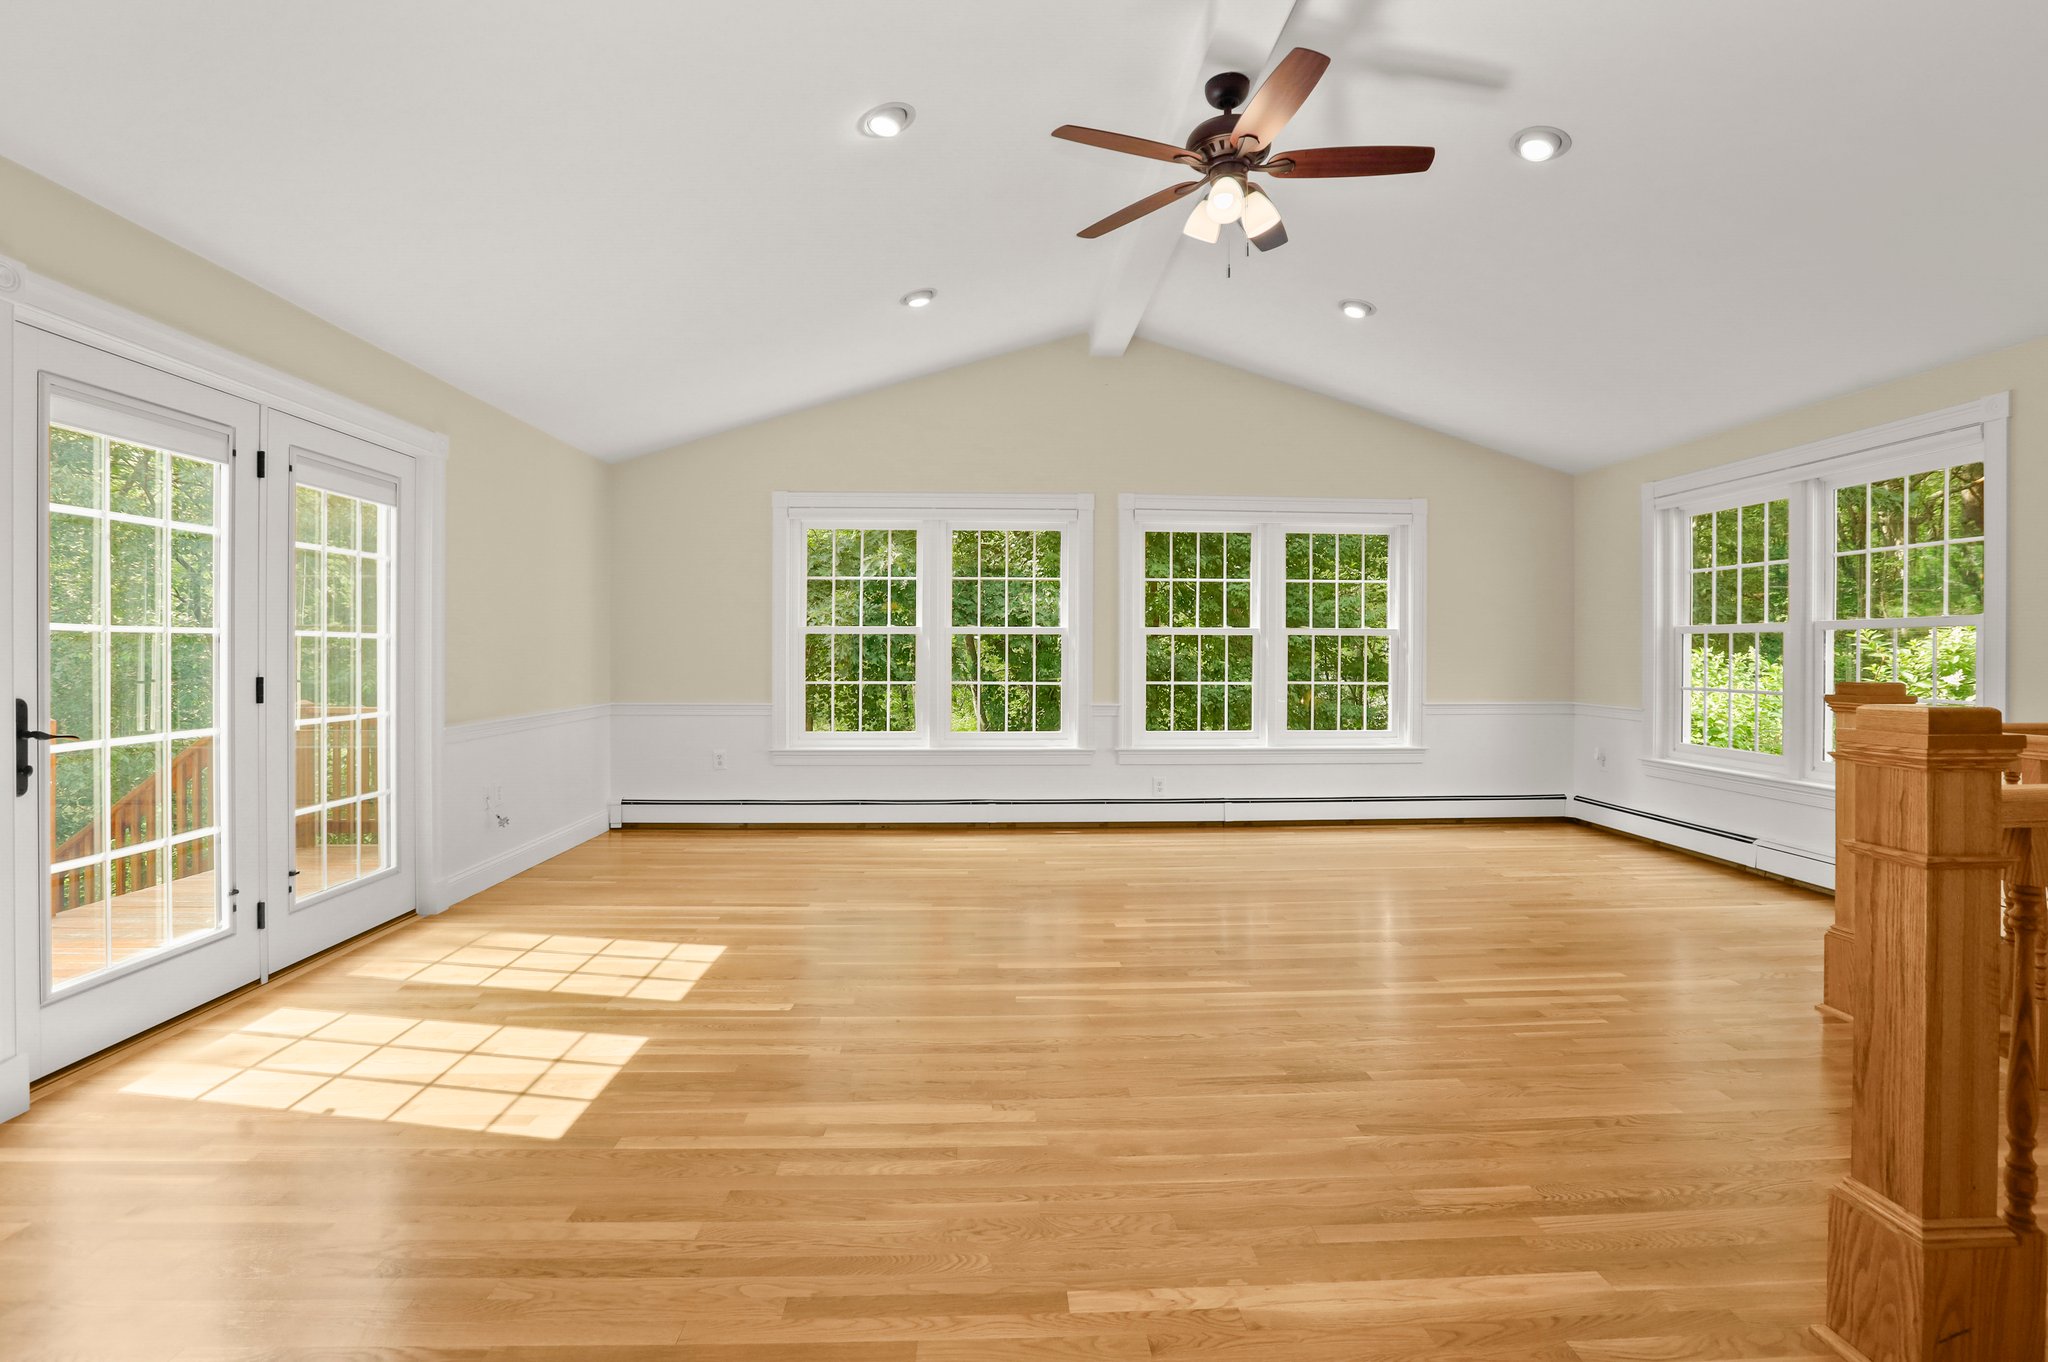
(1520, 1093)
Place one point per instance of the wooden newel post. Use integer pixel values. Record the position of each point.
(1921, 1266)
(1841, 980)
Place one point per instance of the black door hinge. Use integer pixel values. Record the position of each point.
(259, 464)
(259, 915)
(259, 690)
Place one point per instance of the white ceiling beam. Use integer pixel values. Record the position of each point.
(1239, 35)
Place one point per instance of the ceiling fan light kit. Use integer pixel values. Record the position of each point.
(1226, 199)
(1259, 216)
(1224, 152)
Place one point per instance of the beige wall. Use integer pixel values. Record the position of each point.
(527, 628)
(1608, 573)
(692, 524)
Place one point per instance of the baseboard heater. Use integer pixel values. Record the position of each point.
(1665, 818)
(1183, 808)
(1758, 853)
(1085, 800)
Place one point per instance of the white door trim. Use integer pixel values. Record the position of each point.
(71, 313)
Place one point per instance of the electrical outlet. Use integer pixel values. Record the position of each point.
(718, 758)
(1158, 786)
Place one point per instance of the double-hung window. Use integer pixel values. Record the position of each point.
(929, 622)
(1270, 623)
(1878, 556)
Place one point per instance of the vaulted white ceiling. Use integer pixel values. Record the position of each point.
(634, 222)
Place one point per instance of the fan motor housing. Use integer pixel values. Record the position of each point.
(1210, 130)
(1226, 90)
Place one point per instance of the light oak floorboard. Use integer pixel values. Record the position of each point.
(1490, 1093)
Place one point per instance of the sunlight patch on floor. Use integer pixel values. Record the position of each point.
(507, 1080)
(595, 966)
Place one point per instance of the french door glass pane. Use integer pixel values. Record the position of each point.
(133, 637)
(341, 649)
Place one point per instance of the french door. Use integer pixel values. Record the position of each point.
(147, 786)
(336, 729)
(206, 731)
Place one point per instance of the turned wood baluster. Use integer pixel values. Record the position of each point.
(2023, 915)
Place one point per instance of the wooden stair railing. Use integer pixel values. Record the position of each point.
(1922, 1266)
(1842, 969)
(2024, 810)
(133, 819)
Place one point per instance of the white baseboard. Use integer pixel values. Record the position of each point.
(1782, 833)
(477, 878)
(771, 812)
(547, 777)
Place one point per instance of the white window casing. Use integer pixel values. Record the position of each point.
(1268, 521)
(1807, 478)
(932, 518)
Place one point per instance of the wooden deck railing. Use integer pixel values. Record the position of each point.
(1933, 1251)
(133, 820)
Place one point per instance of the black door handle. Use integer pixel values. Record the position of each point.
(23, 735)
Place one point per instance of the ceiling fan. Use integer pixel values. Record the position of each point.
(1224, 151)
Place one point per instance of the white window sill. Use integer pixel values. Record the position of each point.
(931, 756)
(1269, 756)
(1813, 793)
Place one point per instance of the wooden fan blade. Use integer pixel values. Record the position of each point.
(1325, 163)
(1130, 146)
(1281, 95)
(1151, 203)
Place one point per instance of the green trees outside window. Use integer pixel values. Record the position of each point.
(860, 630)
(1909, 581)
(1008, 649)
(1338, 668)
(1199, 648)
(1741, 574)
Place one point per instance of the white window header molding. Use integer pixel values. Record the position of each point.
(1274, 508)
(930, 503)
(71, 313)
(1964, 423)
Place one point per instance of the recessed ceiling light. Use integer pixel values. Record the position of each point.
(921, 298)
(1540, 144)
(1357, 309)
(886, 120)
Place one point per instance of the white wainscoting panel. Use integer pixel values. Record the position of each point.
(547, 775)
(1787, 831)
(713, 764)
(559, 777)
